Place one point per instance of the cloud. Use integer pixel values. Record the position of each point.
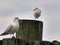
(47, 2)
(9, 7)
(25, 3)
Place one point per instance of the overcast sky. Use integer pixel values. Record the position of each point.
(50, 15)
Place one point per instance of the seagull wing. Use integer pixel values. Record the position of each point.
(7, 30)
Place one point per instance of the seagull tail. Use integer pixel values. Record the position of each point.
(3, 34)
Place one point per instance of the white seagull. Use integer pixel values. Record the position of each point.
(11, 29)
(37, 13)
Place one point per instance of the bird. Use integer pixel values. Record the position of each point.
(36, 13)
(11, 29)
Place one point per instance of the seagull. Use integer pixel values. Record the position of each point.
(37, 13)
(11, 29)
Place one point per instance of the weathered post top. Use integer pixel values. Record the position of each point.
(30, 29)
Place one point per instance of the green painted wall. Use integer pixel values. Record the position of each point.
(30, 30)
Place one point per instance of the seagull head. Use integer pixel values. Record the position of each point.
(35, 9)
(16, 19)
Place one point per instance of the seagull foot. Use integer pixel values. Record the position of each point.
(13, 37)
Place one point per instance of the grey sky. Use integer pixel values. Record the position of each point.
(24, 9)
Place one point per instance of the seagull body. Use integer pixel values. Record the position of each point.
(37, 13)
(11, 29)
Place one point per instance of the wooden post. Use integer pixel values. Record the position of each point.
(16, 41)
(13, 41)
(55, 42)
(30, 30)
(8, 41)
(1, 42)
(45, 43)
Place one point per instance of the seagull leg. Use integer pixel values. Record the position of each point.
(13, 36)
